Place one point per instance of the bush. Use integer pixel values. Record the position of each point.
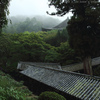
(13, 90)
(50, 96)
(10, 93)
(97, 71)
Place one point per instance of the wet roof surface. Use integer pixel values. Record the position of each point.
(60, 26)
(81, 86)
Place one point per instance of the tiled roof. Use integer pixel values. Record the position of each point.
(61, 26)
(82, 86)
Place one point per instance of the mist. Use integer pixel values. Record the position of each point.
(20, 24)
(32, 8)
(30, 15)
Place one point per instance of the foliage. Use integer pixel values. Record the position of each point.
(55, 38)
(20, 24)
(10, 93)
(83, 28)
(50, 96)
(10, 89)
(3, 13)
(51, 56)
(27, 25)
(96, 71)
(67, 54)
(31, 46)
(77, 7)
(5, 48)
(21, 47)
(84, 32)
(83, 40)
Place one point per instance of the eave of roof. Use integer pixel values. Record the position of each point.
(82, 86)
(61, 26)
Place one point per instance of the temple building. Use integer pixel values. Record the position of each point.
(60, 26)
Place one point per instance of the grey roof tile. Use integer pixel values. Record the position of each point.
(79, 85)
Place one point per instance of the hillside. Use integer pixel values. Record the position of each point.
(11, 89)
(20, 24)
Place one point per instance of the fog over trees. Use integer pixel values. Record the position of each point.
(22, 39)
(18, 24)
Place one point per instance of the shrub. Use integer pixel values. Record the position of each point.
(13, 90)
(10, 93)
(50, 96)
(97, 71)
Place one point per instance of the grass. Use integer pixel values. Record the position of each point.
(13, 90)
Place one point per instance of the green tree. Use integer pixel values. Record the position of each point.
(56, 37)
(52, 56)
(83, 28)
(5, 49)
(67, 54)
(3, 13)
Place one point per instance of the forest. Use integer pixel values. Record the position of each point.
(18, 43)
(39, 46)
(22, 39)
(19, 24)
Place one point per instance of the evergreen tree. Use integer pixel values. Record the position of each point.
(83, 28)
(3, 13)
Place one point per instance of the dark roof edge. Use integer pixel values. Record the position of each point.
(84, 75)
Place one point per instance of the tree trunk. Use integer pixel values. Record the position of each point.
(0, 29)
(87, 65)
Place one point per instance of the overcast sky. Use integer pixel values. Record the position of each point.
(32, 7)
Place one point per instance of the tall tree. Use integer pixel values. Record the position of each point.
(3, 13)
(83, 27)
